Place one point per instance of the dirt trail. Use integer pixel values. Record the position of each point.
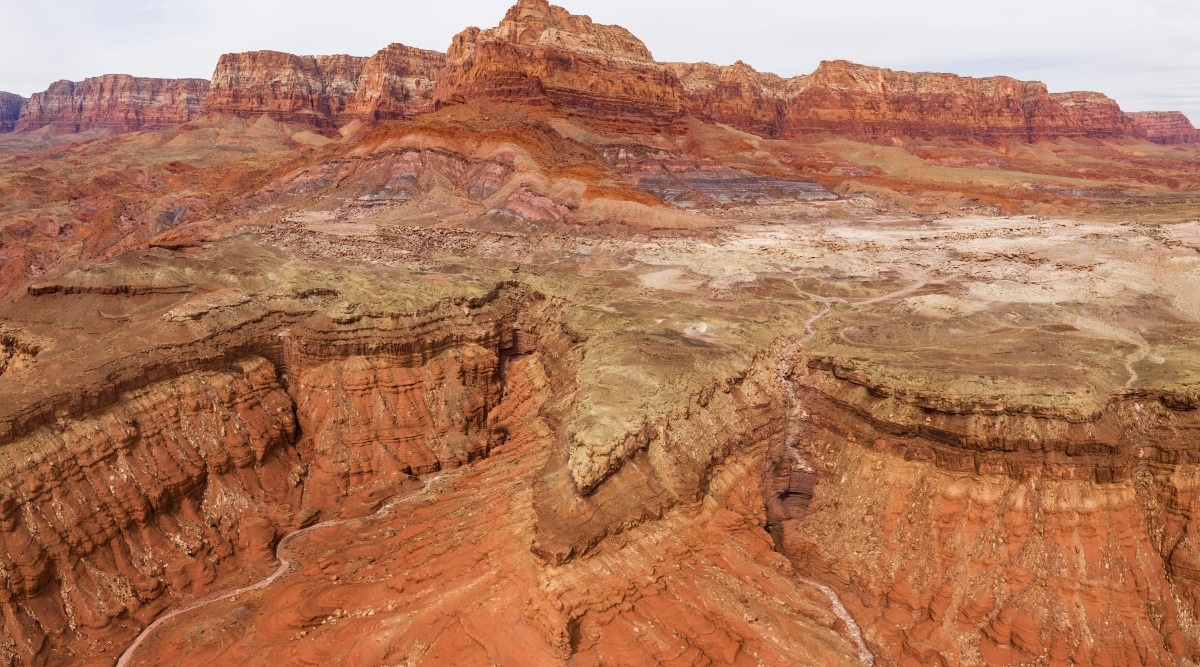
(287, 564)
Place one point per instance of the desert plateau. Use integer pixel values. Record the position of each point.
(539, 351)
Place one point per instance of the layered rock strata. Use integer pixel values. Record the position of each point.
(165, 471)
(738, 95)
(846, 99)
(326, 91)
(689, 182)
(115, 102)
(10, 110)
(1166, 127)
(541, 54)
(991, 532)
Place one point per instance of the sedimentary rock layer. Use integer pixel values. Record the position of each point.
(873, 103)
(115, 102)
(1165, 127)
(541, 54)
(10, 110)
(143, 494)
(1017, 534)
(325, 90)
(738, 95)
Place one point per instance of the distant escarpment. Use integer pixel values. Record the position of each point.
(116, 102)
(541, 54)
(326, 91)
(845, 99)
(1166, 127)
(10, 110)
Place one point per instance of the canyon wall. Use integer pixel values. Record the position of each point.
(126, 496)
(115, 102)
(738, 95)
(544, 56)
(846, 99)
(1166, 127)
(326, 91)
(10, 110)
(541, 54)
(993, 532)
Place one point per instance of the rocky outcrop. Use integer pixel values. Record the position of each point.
(163, 474)
(325, 91)
(541, 54)
(117, 102)
(396, 83)
(847, 99)
(10, 110)
(1165, 127)
(153, 497)
(1013, 532)
(738, 95)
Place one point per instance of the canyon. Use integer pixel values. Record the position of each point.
(543, 352)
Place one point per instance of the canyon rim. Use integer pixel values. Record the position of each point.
(541, 351)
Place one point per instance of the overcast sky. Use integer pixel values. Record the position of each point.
(1145, 53)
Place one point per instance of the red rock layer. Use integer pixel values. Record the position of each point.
(116, 102)
(544, 55)
(10, 110)
(873, 103)
(992, 534)
(738, 95)
(447, 578)
(111, 515)
(325, 90)
(1166, 127)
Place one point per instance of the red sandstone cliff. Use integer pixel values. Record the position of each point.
(738, 95)
(114, 101)
(1165, 127)
(874, 103)
(325, 91)
(544, 55)
(10, 110)
(541, 54)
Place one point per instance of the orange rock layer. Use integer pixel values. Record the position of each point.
(542, 55)
(325, 91)
(983, 534)
(116, 102)
(1165, 127)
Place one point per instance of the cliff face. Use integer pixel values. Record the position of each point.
(116, 102)
(325, 91)
(738, 95)
(1165, 127)
(541, 54)
(1077, 519)
(874, 103)
(10, 110)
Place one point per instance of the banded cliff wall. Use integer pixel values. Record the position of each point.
(542, 55)
(845, 99)
(116, 102)
(955, 531)
(160, 473)
(1165, 127)
(327, 91)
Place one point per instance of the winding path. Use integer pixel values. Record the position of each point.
(287, 564)
(852, 628)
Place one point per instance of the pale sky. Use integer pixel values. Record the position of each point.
(1145, 53)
